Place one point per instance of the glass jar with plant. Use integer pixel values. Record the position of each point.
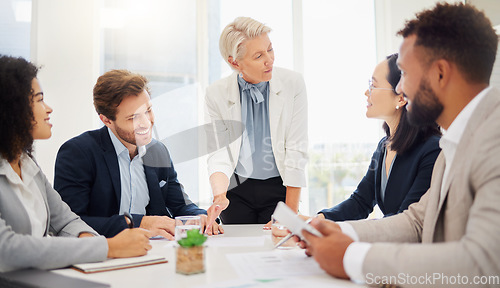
(191, 253)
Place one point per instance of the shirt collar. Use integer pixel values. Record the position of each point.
(28, 167)
(119, 147)
(262, 86)
(457, 127)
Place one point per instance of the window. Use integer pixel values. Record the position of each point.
(339, 57)
(175, 45)
(158, 39)
(15, 28)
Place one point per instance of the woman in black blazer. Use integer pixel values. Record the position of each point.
(401, 167)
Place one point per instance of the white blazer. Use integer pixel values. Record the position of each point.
(287, 118)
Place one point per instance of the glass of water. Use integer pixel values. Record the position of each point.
(185, 223)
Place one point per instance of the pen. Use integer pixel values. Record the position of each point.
(287, 237)
(131, 223)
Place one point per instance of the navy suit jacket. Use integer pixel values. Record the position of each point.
(87, 176)
(409, 179)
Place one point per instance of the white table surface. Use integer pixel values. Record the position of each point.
(218, 268)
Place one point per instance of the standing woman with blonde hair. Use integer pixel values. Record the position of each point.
(265, 109)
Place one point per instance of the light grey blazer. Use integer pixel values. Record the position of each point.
(460, 235)
(18, 249)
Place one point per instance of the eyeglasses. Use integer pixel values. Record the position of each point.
(370, 87)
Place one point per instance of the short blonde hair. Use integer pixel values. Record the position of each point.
(236, 33)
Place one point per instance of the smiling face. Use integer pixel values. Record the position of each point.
(424, 107)
(382, 101)
(257, 63)
(41, 111)
(134, 121)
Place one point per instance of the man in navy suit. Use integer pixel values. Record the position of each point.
(118, 175)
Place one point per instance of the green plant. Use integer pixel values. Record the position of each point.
(194, 238)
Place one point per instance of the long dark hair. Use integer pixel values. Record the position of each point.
(406, 135)
(16, 112)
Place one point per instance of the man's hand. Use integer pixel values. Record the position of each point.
(129, 243)
(220, 203)
(159, 225)
(328, 250)
(215, 228)
(85, 234)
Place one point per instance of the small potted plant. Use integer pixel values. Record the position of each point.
(191, 253)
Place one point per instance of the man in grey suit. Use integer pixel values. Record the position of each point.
(451, 237)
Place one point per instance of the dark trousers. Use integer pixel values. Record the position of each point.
(252, 201)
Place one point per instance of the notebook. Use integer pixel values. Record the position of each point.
(119, 263)
(35, 278)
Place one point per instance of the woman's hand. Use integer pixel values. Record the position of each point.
(220, 203)
(129, 243)
(213, 228)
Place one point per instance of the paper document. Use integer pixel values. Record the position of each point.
(120, 263)
(221, 241)
(311, 281)
(274, 264)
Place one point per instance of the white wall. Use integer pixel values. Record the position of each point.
(65, 41)
(390, 17)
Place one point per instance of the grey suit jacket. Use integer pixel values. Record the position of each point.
(458, 236)
(18, 249)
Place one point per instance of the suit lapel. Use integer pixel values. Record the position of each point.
(41, 186)
(276, 104)
(233, 112)
(378, 171)
(482, 111)
(433, 206)
(111, 161)
(156, 204)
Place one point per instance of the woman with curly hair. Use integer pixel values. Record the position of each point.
(30, 210)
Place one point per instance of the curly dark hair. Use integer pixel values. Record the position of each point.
(16, 113)
(459, 33)
(406, 135)
(113, 86)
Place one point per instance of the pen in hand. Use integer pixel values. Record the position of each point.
(290, 235)
(131, 220)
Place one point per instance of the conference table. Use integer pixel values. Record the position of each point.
(220, 272)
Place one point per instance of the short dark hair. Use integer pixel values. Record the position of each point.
(459, 33)
(113, 86)
(16, 112)
(406, 135)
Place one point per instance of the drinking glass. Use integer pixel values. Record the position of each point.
(185, 223)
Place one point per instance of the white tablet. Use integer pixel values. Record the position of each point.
(292, 221)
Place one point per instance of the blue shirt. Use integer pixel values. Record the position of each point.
(134, 188)
(256, 158)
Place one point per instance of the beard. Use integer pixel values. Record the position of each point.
(425, 107)
(131, 137)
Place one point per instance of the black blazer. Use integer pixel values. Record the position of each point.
(87, 176)
(409, 179)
